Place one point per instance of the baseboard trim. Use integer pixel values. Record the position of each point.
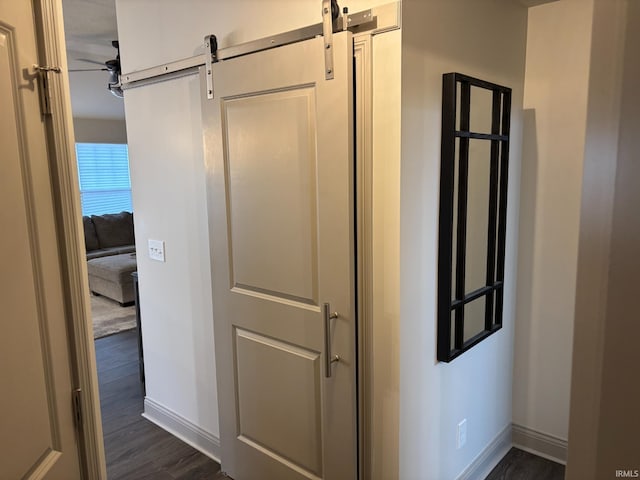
(542, 444)
(489, 457)
(188, 432)
(524, 438)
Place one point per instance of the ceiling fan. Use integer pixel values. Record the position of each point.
(111, 66)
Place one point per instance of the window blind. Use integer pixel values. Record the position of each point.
(103, 172)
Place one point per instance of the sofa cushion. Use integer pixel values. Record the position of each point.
(105, 252)
(90, 235)
(114, 229)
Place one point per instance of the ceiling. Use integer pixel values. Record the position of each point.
(90, 26)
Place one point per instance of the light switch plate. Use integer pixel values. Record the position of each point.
(156, 250)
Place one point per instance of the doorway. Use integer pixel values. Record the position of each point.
(134, 446)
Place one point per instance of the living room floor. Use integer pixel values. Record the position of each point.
(136, 449)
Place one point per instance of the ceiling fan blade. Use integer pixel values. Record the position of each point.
(88, 60)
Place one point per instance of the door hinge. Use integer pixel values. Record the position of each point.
(77, 407)
(43, 86)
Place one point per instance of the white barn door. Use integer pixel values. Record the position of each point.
(279, 153)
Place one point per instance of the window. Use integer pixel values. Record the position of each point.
(103, 171)
(473, 207)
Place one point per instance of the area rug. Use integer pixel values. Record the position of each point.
(109, 317)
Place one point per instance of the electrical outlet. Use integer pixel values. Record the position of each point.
(156, 250)
(462, 433)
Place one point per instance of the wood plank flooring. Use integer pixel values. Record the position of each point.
(135, 448)
(521, 465)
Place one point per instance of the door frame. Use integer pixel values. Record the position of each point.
(363, 142)
(60, 139)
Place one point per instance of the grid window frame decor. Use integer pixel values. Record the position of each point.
(453, 299)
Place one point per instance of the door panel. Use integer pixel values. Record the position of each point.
(276, 256)
(279, 384)
(37, 438)
(279, 154)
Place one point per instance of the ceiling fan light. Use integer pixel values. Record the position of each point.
(113, 77)
(115, 89)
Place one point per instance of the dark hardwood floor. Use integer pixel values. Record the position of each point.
(521, 465)
(135, 448)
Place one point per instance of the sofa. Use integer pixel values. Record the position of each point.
(109, 234)
(111, 255)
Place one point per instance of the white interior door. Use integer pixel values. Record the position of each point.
(37, 434)
(279, 152)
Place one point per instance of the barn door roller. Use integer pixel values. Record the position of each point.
(210, 56)
(330, 11)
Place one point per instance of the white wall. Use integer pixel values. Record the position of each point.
(164, 130)
(555, 109)
(485, 39)
(168, 188)
(99, 130)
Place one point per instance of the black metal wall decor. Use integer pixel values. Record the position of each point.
(473, 212)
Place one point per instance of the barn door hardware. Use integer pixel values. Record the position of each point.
(330, 12)
(330, 15)
(375, 20)
(211, 51)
